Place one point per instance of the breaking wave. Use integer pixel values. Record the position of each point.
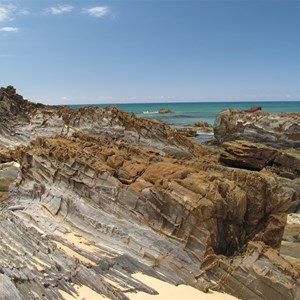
(147, 112)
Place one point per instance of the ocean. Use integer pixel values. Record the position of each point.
(186, 114)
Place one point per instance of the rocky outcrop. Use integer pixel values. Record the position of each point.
(100, 195)
(253, 156)
(143, 203)
(276, 130)
(164, 111)
(203, 126)
(108, 122)
(189, 132)
(253, 109)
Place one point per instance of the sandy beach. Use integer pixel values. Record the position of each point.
(165, 290)
(169, 291)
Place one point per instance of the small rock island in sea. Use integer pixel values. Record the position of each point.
(91, 196)
(164, 111)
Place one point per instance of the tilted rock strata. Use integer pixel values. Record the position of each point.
(101, 194)
(199, 210)
(277, 130)
(27, 121)
(203, 126)
(253, 156)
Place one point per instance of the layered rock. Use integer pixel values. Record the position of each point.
(189, 132)
(101, 194)
(277, 130)
(253, 156)
(164, 111)
(108, 122)
(124, 196)
(203, 126)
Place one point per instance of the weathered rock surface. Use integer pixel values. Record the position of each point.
(203, 126)
(98, 194)
(277, 130)
(253, 156)
(108, 122)
(189, 132)
(164, 111)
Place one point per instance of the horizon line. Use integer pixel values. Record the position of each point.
(174, 102)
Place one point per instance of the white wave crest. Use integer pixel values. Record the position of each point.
(147, 112)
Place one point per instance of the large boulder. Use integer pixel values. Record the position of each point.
(254, 156)
(277, 130)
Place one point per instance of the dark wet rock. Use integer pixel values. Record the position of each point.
(295, 207)
(253, 156)
(253, 109)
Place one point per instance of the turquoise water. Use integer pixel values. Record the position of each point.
(184, 114)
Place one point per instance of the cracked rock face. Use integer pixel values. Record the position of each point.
(92, 196)
(253, 156)
(276, 130)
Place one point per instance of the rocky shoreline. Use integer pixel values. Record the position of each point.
(91, 196)
(256, 125)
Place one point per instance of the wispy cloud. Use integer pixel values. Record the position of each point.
(4, 15)
(9, 29)
(97, 11)
(60, 9)
(24, 12)
(9, 10)
(6, 11)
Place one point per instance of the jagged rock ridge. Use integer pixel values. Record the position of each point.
(135, 196)
(276, 130)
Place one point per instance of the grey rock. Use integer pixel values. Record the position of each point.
(276, 130)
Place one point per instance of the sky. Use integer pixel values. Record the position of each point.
(110, 51)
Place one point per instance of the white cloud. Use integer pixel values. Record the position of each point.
(60, 9)
(24, 12)
(97, 11)
(8, 11)
(5, 13)
(9, 29)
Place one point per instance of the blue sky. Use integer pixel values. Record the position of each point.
(61, 52)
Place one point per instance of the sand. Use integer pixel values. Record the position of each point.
(169, 291)
(84, 244)
(165, 290)
(77, 240)
(83, 293)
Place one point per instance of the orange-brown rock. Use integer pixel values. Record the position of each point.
(101, 194)
(253, 109)
(188, 132)
(33, 120)
(164, 111)
(253, 156)
(203, 126)
(208, 209)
